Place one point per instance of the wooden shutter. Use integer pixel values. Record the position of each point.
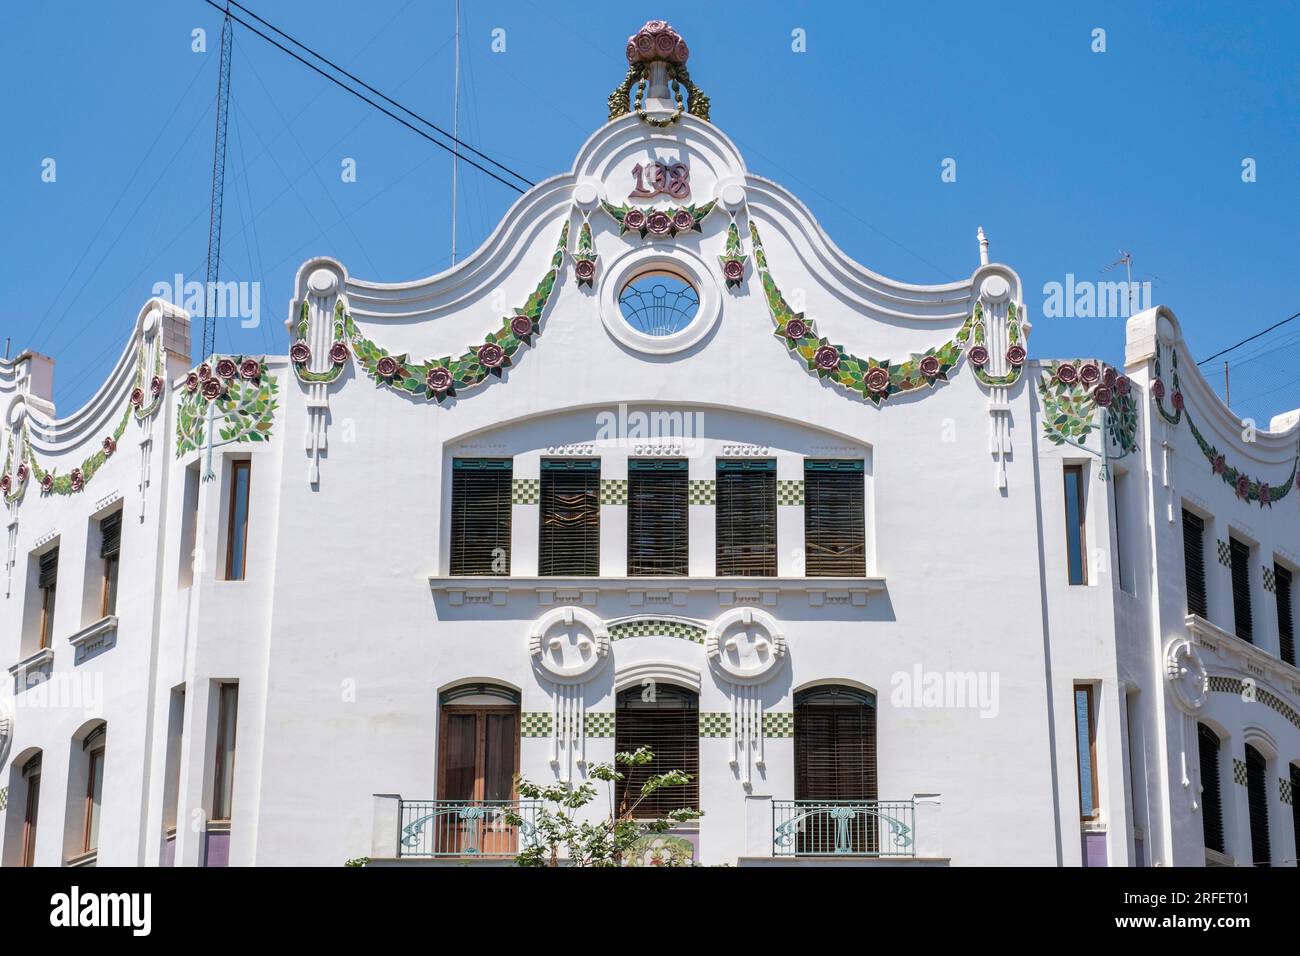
(1285, 634)
(1257, 799)
(670, 726)
(1295, 806)
(834, 522)
(110, 534)
(570, 517)
(1194, 563)
(746, 518)
(480, 515)
(835, 744)
(657, 517)
(1211, 801)
(1241, 588)
(49, 571)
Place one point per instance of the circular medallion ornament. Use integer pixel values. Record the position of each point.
(568, 644)
(995, 288)
(1188, 678)
(746, 645)
(979, 356)
(322, 282)
(827, 357)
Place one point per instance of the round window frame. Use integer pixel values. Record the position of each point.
(684, 264)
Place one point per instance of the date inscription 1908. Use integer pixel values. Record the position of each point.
(674, 179)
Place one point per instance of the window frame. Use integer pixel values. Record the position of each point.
(223, 781)
(90, 826)
(819, 522)
(238, 467)
(112, 558)
(674, 558)
(549, 536)
(1243, 597)
(49, 595)
(1089, 692)
(31, 814)
(1076, 527)
(1208, 737)
(1191, 519)
(1283, 597)
(767, 553)
(463, 559)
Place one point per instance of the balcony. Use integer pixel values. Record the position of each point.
(461, 830)
(864, 828)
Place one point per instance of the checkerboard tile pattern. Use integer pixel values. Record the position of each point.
(715, 725)
(613, 491)
(789, 491)
(1225, 685)
(1239, 771)
(600, 723)
(778, 725)
(1270, 580)
(4, 796)
(526, 491)
(1225, 553)
(1233, 685)
(701, 491)
(660, 627)
(1285, 790)
(535, 723)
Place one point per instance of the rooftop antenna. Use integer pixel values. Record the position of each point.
(1125, 258)
(218, 188)
(455, 135)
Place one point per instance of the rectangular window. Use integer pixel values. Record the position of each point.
(834, 519)
(32, 776)
(569, 542)
(1207, 742)
(1257, 804)
(657, 517)
(48, 582)
(1285, 634)
(1194, 563)
(237, 530)
(1119, 492)
(94, 798)
(1085, 721)
(1075, 541)
(223, 786)
(110, 542)
(480, 515)
(1241, 617)
(746, 518)
(189, 528)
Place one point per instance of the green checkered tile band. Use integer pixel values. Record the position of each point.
(535, 724)
(1270, 580)
(526, 491)
(1225, 553)
(600, 723)
(657, 627)
(1239, 771)
(715, 725)
(778, 724)
(1285, 791)
(701, 491)
(789, 491)
(1225, 685)
(4, 797)
(613, 491)
(1233, 685)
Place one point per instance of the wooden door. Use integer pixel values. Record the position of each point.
(478, 760)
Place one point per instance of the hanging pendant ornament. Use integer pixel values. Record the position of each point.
(585, 259)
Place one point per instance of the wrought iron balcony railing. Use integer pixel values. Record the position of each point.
(465, 828)
(843, 828)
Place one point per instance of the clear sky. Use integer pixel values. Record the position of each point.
(1063, 154)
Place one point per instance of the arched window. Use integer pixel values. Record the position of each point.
(666, 719)
(1257, 801)
(31, 775)
(1211, 801)
(835, 763)
(478, 757)
(85, 793)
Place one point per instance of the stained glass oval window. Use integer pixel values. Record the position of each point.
(658, 303)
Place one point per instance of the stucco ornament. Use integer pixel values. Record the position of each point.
(746, 645)
(1073, 393)
(1189, 681)
(656, 57)
(233, 396)
(569, 643)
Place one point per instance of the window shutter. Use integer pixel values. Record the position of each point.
(834, 520)
(835, 745)
(1286, 636)
(1257, 799)
(110, 535)
(1194, 563)
(657, 517)
(480, 515)
(1295, 806)
(1241, 588)
(670, 726)
(746, 518)
(570, 517)
(49, 571)
(1211, 801)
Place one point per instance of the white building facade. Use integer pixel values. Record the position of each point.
(657, 464)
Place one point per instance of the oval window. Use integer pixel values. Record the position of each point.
(658, 303)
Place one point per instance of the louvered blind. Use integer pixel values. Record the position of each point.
(1241, 588)
(49, 570)
(1295, 807)
(110, 535)
(670, 726)
(1257, 800)
(480, 515)
(657, 522)
(834, 522)
(1285, 634)
(1211, 800)
(570, 517)
(746, 518)
(835, 745)
(1194, 563)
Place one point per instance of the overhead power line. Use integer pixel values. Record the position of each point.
(361, 96)
(1275, 325)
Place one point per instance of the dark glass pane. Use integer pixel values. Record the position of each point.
(499, 757)
(459, 750)
(1074, 524)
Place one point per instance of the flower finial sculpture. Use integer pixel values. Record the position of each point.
(657, 55)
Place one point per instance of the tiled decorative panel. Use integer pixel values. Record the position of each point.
(526, 491)
(600, 723)
(1239, 771)
(613, 491)
(778, 724)
(657, 627)
(789, 491)
(1285, 790)
(4, 797)
(1270, 580)
(1225, 553)
(701, 491)
(1233, 685)
(715, 724)
(535, 723)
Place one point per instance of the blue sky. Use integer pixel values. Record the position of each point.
(1064, 155)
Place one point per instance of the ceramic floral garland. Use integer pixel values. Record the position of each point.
(1072, 392)
(585, 259)
(733, 260)
(873, 379)
(974, 331)
(670, 221)
(243, 394)
(1158, 389)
